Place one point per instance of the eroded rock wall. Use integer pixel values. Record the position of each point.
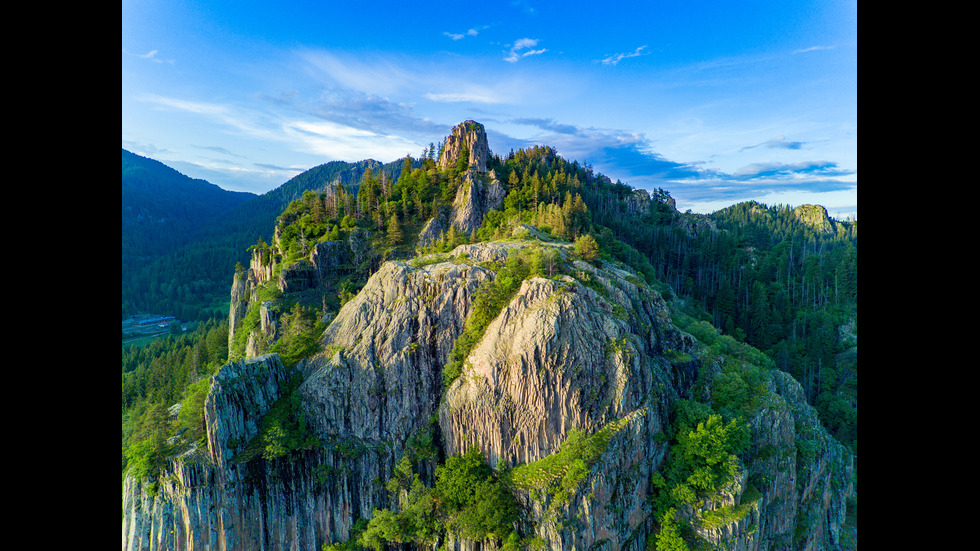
(590, 350)
(473, 136)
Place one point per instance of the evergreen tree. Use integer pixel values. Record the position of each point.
(587, 248)
(669, 537)
(463, 161)
(395, 235)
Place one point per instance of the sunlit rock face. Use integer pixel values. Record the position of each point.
(474, 136)
(592, 349)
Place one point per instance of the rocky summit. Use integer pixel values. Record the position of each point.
(602, 418)
(469, 137)
(593, 350)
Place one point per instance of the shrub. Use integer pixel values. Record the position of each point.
(143, 459)
(669, 537)
(476, 504)
(587, 248)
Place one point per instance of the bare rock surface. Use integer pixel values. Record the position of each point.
(593, 350)
(472, 136)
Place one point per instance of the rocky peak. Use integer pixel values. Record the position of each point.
(474, 136)
(814, 216)
(477, 195)
(474, 199)
(593, 349)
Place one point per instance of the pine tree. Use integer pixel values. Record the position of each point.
(395, 235)
(463, 161)
(587, 248)
(669, 538)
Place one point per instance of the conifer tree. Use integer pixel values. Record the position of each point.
(513, 180)
(463, 162)
(587, 248)
(395, 235)
(669, 538)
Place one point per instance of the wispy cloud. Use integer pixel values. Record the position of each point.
(356, 80)
(777, 143)
(517, 51)
(355, 109)
(339, 128)
(613, 59)
(524, 6)
(336, 141)
(631, 158)
(460, 36)
(812, 49)
(617, 153)
(151, 56)
(459, 97)
(548, 124)
(386, 76)
(218, 149)
(216, 112)
(268, 166)
(824, 169)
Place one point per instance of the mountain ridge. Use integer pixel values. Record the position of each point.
(535, 356)
(157, 195)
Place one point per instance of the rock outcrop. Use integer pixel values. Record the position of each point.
(468, 135)
(380, 377)
(593, 350)
(479, 190)
(477, 195)
(202, 499)
(816, 217)
(561, 356)
(327, 261)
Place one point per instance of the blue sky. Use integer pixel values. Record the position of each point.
(714, 101)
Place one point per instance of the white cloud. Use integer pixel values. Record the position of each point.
(456, 97)
(386, 77)
(322, 138)
(525, 43)
(521, 44)
(813, 49)
(335, 141)
(616, 58)
(151, 56)
(214, 111)
(459, 36)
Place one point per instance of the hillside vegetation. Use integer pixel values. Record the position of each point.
(760, 288)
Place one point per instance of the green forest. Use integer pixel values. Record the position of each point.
(181, 237)
(748, 281)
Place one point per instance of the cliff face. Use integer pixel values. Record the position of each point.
(479, 191)
(565, 356)
(327, 260)
(380, 377)
(593, 350)
(203, 500)
(472, 136)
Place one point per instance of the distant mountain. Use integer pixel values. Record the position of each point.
(181, 237)
(248, 221)
(162, 209)
(604, 370)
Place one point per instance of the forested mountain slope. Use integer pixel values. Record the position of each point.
(162, 209)
(511, 352)
(183, 237)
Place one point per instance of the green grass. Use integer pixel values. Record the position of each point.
(560, 472)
